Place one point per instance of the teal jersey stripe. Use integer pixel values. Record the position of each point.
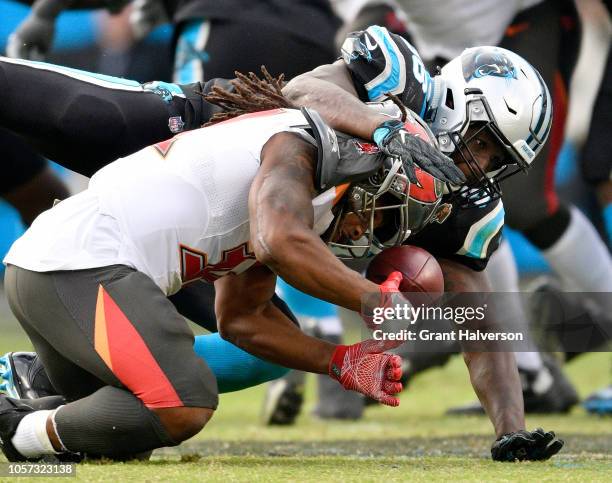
(485, 235)
(94, 77)
(393, 79)
(187, 59)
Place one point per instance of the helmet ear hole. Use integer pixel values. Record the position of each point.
(450, 101)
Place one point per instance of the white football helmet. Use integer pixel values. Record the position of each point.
(497, 90)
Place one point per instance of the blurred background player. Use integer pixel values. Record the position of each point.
(596, 158)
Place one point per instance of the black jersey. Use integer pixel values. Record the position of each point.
(468, 235)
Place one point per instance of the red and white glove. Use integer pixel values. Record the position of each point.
(390, 296)
(363, 367)
(390, 287)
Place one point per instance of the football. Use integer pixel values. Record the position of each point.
(421, 271)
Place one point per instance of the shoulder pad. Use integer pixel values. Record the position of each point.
(327, 147)
(341, 158)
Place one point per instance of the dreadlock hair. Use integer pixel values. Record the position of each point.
(396, 100)
(251, 94)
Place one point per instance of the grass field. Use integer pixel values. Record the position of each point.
(414, 442)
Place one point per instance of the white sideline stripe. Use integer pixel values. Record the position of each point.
(72, 73)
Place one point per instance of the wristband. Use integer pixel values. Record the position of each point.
(337, 361)
(384, 129)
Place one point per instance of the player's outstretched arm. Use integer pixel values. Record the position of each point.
(330, 91)
(494, 375)
(495, 379)
(281, 219)
(248, 319)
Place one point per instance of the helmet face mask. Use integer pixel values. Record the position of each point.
(483, 184)
(385, 193)
(388, 195)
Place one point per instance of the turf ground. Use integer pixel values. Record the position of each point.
(414, 442)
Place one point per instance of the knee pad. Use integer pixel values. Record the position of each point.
(70, 126)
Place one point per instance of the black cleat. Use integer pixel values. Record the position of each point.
(11, 414)
(22, 376)
(546, 391)
(335, 402)
(284, 399)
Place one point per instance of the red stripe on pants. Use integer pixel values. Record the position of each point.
(130, 358)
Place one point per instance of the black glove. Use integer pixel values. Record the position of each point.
(395, 142)
(146, 15)
(32, 39)
(524, 445)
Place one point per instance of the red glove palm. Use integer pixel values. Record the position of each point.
(364, 368)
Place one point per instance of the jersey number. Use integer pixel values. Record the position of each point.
(164, 146)
(194, 264)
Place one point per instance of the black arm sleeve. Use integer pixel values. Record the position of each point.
(83, 121)
(382, 62)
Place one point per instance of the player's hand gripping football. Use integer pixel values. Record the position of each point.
(365, 368)
(390, 296)
(526, 445)
(394, 141)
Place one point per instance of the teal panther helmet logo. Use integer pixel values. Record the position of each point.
(483, 62)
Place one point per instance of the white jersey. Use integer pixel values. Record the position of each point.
(443, 28)
(176, 211)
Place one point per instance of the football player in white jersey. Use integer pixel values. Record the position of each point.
(200, 206)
